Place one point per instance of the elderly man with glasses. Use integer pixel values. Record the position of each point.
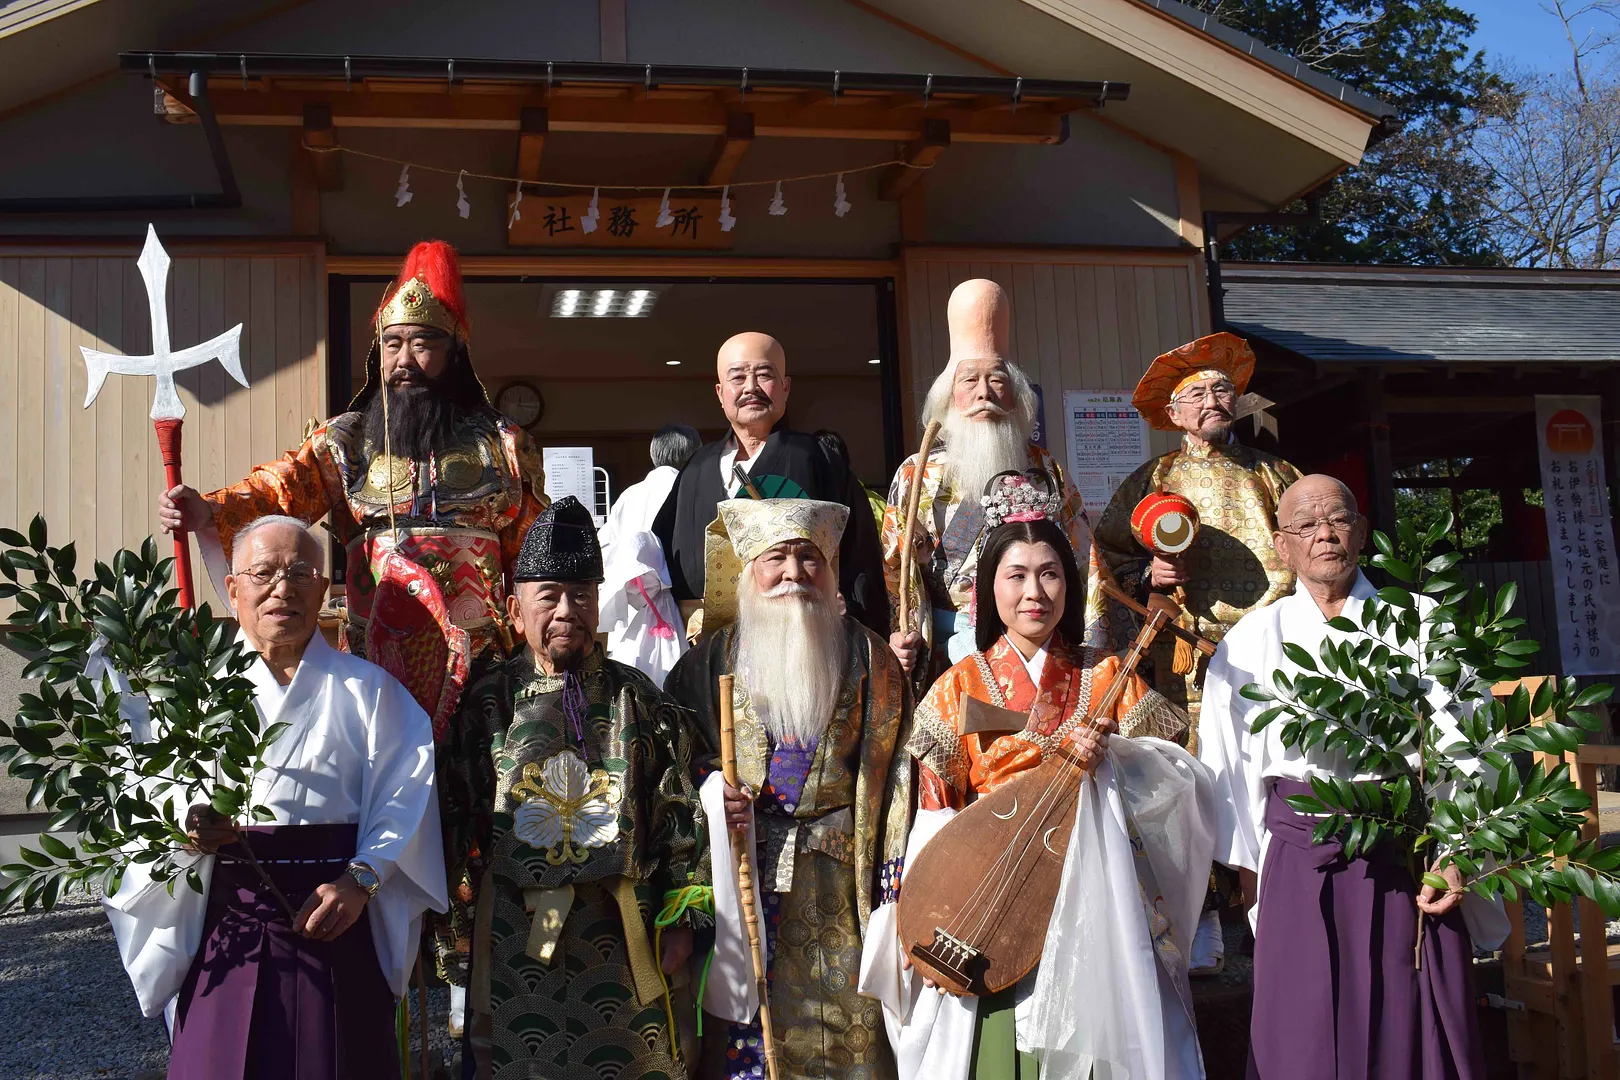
(352, 845)
(1336, 992)
(1230, 569)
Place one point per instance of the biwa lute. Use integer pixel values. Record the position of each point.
(976, 902)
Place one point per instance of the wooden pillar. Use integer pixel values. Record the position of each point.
(1380, 463)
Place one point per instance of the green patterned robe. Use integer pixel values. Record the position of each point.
(832, 822)
(618, 826)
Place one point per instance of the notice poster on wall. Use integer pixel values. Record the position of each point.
(1580, 535)
(1107, 441)
(569, 471)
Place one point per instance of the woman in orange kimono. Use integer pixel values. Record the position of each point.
(1027, 688)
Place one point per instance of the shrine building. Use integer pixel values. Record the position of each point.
(1070, 150)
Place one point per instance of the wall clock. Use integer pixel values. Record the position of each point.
(521, 403)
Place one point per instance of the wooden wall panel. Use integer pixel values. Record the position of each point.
(95, 472)
(1082, 320)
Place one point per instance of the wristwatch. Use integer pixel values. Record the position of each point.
(364, 876)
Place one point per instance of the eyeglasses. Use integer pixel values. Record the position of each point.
(1339, 523)
(300, 575)
(1204, 395)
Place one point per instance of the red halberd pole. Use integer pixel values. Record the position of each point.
(168, 436)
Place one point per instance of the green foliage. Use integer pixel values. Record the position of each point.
(1450, 794)
(124, 798)
(1419, 196)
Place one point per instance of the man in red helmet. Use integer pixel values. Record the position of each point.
(420, 463)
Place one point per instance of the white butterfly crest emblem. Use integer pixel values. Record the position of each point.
(566, 810)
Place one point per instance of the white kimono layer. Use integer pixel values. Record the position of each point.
(638, 611)
(1241, 761)
(637, 506)
(359, 750)
(1110, 998)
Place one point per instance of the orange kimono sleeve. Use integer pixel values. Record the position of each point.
(933, 793)
(302, 483)
(1140, 710)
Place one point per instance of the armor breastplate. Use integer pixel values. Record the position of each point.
(466, 563)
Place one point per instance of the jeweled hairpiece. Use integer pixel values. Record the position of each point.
(1014, 496)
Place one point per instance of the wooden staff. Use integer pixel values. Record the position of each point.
(913, 500)
(745, 874)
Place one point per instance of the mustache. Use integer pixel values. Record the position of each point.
(985, 408)
(753, 397)
(785, 589)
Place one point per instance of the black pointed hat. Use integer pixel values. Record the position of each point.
(561, 546)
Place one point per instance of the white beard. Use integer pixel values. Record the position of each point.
(978, 449)
(789, 658)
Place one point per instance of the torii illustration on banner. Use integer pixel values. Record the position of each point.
(168, 413)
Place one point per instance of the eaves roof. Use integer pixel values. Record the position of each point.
(1406, 315)
(1297, 70)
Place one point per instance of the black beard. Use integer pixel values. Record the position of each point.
(421, 420)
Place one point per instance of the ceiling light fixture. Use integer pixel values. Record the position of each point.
(603, 303)
(875, 360)
(672, 363)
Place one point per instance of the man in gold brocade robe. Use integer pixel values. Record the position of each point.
(1232, 567)
(821, 722)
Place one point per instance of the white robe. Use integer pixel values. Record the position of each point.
(638, 611)
(1143, 1028)
(1242, 762)
(637, 505)
(359, 750)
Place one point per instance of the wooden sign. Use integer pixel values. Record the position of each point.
(562, 221)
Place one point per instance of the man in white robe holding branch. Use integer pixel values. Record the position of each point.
(300, 979)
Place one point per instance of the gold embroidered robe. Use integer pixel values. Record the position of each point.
(598, 823)
(1232, 565)
(831, 820)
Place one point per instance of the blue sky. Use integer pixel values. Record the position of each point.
(1520, 31)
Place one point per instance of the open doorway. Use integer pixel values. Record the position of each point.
(612, 360)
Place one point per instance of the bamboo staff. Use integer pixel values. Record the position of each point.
(913, 500)
(745, 874)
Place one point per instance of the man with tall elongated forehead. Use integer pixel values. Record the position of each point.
(352, 844)
(1337, 991)
(821, 725)
(594, 832)
(421, 462)
(1231, 567)
(986, 410)
(763, 458)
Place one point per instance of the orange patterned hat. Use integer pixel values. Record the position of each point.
(1223, 353)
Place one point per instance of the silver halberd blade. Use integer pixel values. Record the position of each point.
(163, 361)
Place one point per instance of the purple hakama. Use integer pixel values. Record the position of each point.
(1336, 993)
(261, 1002)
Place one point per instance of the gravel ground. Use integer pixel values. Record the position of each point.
(69, 1006)
(72, 1014)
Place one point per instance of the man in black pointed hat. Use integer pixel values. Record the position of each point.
(595, 832)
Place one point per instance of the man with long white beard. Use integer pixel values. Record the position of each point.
(821, 720)
(986, 411)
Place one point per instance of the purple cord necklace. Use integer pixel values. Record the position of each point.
(574, 706)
